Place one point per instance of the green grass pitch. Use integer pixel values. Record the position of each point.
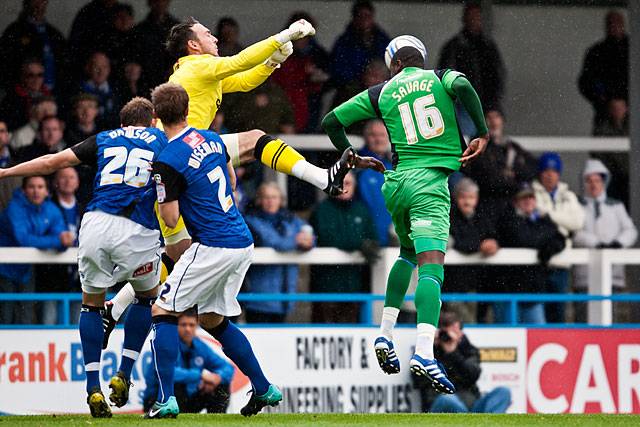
(378, 420)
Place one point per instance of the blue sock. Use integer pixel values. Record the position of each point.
(236, 345)
(164, 346)
(91, 334)
(136, 330)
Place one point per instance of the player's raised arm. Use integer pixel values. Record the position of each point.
(254, 77)
(354, 110)
(43, 165)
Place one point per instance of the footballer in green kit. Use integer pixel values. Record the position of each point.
(418, 108)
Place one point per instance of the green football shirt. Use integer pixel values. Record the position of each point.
(417, 107)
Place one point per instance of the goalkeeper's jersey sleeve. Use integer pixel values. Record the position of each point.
(205, 77)
(417, 107)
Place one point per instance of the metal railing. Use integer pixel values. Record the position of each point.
(599, 262)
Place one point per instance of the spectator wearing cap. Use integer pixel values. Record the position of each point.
(526, 226)
(561, 204)
(607, 224)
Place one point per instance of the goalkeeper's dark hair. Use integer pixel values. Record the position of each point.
(137, 112)
(171, 103)
(178, 37)
(409, 57)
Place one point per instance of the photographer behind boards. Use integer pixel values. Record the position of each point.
(462, 362)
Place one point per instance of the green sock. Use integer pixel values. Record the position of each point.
(430, 278)
(398, 282)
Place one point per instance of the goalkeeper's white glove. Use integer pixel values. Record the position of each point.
(280, 55)
(296, 31)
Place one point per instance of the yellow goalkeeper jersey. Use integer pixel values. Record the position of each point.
(207, 77)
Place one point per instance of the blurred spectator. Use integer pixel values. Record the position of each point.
(83, 123)
(26, 135)
(265, 107)
(98, 72)
(7, 158)
(354, 49)
(90, 29)
(561, 204)
(469, 233)
(202, 377)
(462, 360)
(16, 105)
(342, 223)
(275, 227)
(302, 77)
(501, 169)
(605, 72)
(119, 40)
(375, 73)
(30, 220)
(31, 36)
(148, 45)
(62, 278)
(228, 35)
(48, 141)
(607, 224)
(616, 121)
(473, 53)
(370, 182)
(130, 84)
(525, 226)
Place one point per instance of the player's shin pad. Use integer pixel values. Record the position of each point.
(277, 155)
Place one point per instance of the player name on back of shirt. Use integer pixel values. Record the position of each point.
(134, 133)
(201, 148)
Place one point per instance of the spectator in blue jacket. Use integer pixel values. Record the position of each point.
(202, 377)
(370, 182)
(275, 227)
(362, 42)
(30, 220)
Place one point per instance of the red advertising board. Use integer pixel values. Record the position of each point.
(583, 371)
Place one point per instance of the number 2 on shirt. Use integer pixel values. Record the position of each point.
(218, 175)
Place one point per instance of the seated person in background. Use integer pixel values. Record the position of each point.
(525, 226)
(342, 223)
(370, 182)
(7, 158)
(607, 225)
(60, 277)
(273, 226)
(202, 377)
(48, 141)
(30, 220)
(26, 135)
(462, 361)
(469, 233)
(16, 105)
(554, 198)
(501, 169)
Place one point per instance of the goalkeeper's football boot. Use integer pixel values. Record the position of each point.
(119, 386)
(339, 170)
(387, 357)
(169, 409)
(272, 397)
(108, 323)
(434, 372)
(98, 404)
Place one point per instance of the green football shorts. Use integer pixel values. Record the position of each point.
(419, 203)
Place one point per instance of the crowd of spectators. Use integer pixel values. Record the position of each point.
(57, 92)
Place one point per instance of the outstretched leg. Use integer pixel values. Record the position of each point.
(277, 155)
